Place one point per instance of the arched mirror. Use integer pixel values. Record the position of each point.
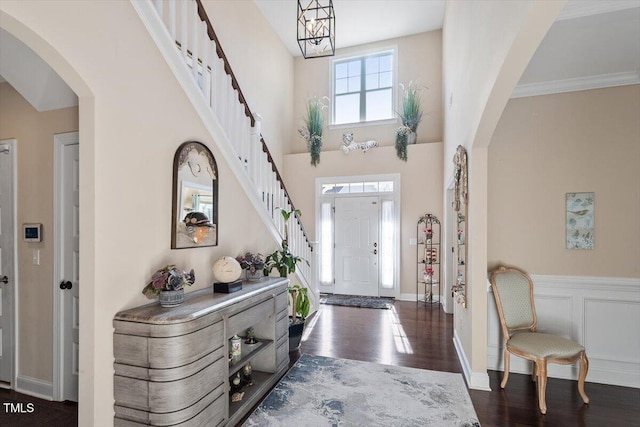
(460, 203)
(194, 220)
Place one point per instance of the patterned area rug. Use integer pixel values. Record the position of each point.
(357, 301)
(321, 391)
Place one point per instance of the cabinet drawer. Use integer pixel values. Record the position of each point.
(250, 316)
(162, 353)
(168, 396)
(282, 301)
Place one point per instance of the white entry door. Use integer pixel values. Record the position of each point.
(7, 274)
(69, 247)
(357, 245)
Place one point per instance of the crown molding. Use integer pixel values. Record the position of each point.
(579, 9)
(576, 84)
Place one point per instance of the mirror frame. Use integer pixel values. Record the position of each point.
(180, 159)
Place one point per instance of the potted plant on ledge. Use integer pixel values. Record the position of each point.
(312, 132)
(411, 115)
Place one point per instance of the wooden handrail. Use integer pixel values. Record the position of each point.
(247, 111)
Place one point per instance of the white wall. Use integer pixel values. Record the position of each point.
(486, 47)
(133, 116)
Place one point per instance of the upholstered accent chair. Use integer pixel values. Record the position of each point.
(513, 292)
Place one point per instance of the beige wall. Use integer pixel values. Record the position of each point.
(421, 189)
(419, 60)
(34, 133)
(486, 47)
(133, 116)
(262, 64)
(547, 146)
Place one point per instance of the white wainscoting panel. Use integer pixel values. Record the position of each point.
(601, 313)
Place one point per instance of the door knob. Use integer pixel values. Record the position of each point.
(4, 279)
(66, 285)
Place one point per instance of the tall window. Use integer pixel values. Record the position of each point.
(363, 88)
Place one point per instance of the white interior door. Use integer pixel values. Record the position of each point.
(357, 245)
(7, 274)
(69, 283)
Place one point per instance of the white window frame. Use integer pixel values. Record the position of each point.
(394, 196)
(394, 86)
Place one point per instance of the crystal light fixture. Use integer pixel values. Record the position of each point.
(316, 28)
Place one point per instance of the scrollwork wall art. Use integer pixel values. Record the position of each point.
(460, 173)
(460, 203)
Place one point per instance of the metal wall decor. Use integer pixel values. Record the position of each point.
(460, 203)
(461, 182)
(194, 212)
(316, 28)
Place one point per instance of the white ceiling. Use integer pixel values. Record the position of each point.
(358, 22)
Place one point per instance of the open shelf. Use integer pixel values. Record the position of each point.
(251, 392)
(248, 352)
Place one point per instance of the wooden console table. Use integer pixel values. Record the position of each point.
(172, 365)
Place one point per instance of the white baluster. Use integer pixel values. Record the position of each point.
(184, 13)
(172, 19)
(195, 39)
(206, 74)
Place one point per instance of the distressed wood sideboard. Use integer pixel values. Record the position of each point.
(172, 365)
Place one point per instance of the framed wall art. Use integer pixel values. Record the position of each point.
(580, 209)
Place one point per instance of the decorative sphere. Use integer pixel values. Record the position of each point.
(226, 269)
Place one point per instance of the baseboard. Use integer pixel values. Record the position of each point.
(34, 387)
(475, 380)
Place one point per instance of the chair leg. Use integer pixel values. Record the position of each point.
(542, 385)
(534, 372)
(505, 376)
(584, 368)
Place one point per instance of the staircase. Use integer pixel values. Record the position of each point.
(185, 37)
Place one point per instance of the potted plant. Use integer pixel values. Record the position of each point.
(168, 284)
(312, 132)
(300, 307)
(282, 260)
(253, 264)
(411, 115)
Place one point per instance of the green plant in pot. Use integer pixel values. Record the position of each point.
(300, 307)
(411, 115)
(284, 262)
(312, 132)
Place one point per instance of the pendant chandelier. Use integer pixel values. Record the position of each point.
(316, 28)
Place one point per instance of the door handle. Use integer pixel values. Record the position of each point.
(375, 252)
(66, 285)
(4, 279)
(375, 245)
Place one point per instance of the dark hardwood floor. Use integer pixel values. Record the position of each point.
(418, 336)
(421, 336)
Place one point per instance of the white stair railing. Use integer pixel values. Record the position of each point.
(186, 24)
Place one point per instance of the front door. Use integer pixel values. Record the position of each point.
(356, 245)
(7, 274)
(69, 282)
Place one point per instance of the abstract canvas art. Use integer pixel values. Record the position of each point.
(580, 225)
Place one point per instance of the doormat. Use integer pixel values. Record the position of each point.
(322, 391)
(357, 301)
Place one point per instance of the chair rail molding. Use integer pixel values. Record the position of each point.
(590, 310)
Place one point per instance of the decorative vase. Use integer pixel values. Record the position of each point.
(411, 138)
(171, 298)
(256, 275)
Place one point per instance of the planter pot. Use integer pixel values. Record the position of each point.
(256, 275)
(171, 298)
(295, 333)
(411, 138)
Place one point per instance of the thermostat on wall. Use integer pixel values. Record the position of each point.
(32, 232)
